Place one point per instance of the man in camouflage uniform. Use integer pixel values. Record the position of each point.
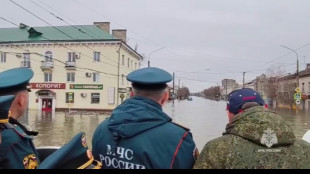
(255, 138)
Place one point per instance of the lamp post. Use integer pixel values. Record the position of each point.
(149, 61)
(297, 70)
(297, 63)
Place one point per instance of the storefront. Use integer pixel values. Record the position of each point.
(46, 100)
(45, 96)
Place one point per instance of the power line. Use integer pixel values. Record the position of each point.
(75, 50)
(7, 21)
(195, 79)
(78, 29)
(70, 24)
(57, 30)
(41, 19)
(100, 14)
(67, 17)
(15, 53)
(63, 62)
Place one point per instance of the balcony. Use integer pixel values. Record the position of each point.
(70, 65)
(47, 65)
(25, 64)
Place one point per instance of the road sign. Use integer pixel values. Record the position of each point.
(297, 102)
(297, 96)
(297, 90)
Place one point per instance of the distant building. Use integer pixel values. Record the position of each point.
(77, 67)
(261, 85)
(228, 85)
(304, 85)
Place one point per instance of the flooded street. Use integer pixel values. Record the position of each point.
(206, 119)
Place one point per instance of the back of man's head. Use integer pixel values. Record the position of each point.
(242, 99)
(15, 80)
(150, 82)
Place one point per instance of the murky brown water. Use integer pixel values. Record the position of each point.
(206, 119)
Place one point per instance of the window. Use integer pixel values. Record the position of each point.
(303, 87)
(122, 79)
(71, 57)
(97, 56)
(48, 56)
(26, 62)
(135, 66)
(47, 77)
(69, 97)
(71, 77)
(123, 60)
(309, 87)
(128, 62)
(95, 97)
(3, 57)
(131, 64)
(96, 77)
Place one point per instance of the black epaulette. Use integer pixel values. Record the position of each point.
(186, 128)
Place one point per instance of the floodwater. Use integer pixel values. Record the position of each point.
(206, 119)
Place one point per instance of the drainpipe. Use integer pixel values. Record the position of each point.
(118, 68)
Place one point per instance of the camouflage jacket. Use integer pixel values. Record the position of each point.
(258, 138)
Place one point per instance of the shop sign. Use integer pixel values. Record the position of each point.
(48, 85)
(86, 86)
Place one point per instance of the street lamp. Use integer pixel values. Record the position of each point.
(149, 61)
(297, 63)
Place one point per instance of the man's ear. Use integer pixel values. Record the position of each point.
(165, 98)
(20, 99)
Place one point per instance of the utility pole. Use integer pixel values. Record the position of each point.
(297, 73)
(243, 79)
(226, 89)
(173, 89)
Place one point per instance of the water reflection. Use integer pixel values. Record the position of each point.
(300, 121)
(206, 119)
(56, 129)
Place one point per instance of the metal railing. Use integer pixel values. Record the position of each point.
(47, 64)
(70, 64)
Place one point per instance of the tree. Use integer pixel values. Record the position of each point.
(183, 93)
(280, 88)
(274, 75)
(212, 93)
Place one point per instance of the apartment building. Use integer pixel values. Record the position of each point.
(77, 67)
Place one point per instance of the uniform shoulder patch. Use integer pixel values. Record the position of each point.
(30, 162)
(186, 128)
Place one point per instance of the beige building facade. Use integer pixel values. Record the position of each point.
(79, 72)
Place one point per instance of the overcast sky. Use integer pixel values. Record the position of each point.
(202, 40)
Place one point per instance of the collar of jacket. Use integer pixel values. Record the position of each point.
(148, 101)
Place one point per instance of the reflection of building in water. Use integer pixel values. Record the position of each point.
(84, 66)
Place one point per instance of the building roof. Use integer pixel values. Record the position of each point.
(27, 34)
(305, 72)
